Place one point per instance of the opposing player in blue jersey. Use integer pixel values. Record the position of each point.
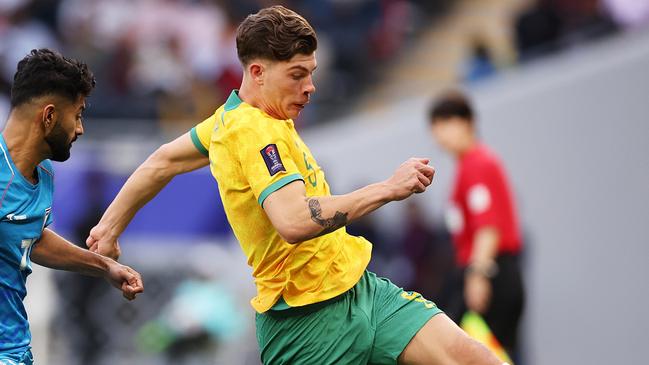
(47, 98)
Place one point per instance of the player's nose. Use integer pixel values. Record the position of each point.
(79, 129)
(309, 87)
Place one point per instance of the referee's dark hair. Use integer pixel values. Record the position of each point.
(449, 105)
(46, 72)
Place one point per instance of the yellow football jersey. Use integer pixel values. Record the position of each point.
(251, 156)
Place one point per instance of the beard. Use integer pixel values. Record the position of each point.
(59, 144)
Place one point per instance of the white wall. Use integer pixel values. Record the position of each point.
(574, 134)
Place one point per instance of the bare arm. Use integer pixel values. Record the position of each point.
(298, 218)
(171, 159)
(56, 252)
(482, 267)
(485, 248)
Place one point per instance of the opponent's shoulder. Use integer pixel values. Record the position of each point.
(46, 173)
(46, 166)
(6, 171)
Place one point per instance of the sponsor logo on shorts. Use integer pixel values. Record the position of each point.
(414, 296)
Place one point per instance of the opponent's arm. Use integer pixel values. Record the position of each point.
(56, 252)
(171, 159)
(299, 218)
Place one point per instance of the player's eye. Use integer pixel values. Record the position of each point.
(297, 76)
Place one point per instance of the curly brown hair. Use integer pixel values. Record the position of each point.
(274, 33)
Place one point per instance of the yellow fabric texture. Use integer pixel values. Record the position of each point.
(303, 273)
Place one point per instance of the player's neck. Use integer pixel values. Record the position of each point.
(247, 94)
(23, 146)
(251, 96)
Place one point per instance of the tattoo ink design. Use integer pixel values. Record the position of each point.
(329, 224)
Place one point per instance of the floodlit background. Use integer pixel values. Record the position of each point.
(562, 93)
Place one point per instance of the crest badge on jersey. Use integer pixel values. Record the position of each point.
(272, 159)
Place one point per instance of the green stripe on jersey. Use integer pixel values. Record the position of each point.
(197, 142)
(278, 185)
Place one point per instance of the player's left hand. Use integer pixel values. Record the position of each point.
(100, 241)
(124, 278)
(477, 292)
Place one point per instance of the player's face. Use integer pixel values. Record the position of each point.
(288, 86)
(451, 134)
(66, 129)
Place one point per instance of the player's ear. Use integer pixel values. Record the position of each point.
(257, 71)
(49, 117)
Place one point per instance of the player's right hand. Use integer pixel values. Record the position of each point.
(124, 278)
(101, 242)
(413, 176)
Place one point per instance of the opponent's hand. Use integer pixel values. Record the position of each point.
(124, 278)
(100, 241)
(413, 176)
(477, 292)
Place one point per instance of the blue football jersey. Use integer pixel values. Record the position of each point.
(25, 210)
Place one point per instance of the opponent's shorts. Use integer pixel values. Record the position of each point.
(371, 323)
(21, 358)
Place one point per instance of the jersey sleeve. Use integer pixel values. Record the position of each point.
(265, 160)
(202, 133)
(483, 195)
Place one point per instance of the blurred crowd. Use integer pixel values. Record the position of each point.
(530, 29)
(170, 63)
(175, 61)
(551, 24)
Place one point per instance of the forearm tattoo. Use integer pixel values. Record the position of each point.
(329, 224)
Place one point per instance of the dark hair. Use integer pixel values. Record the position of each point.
(274, 33)
(44, 72)
(451, 104)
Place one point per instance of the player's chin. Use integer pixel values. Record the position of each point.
(295, 110)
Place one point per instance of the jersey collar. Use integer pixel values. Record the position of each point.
(233, 101)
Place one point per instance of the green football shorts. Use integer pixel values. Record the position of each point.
(371, 323)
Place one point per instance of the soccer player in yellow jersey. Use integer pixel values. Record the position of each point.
(316, 303)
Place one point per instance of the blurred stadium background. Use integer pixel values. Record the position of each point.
(562, 92)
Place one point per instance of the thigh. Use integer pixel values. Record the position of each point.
(441, 341)
(337, 333)
(398, 316)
